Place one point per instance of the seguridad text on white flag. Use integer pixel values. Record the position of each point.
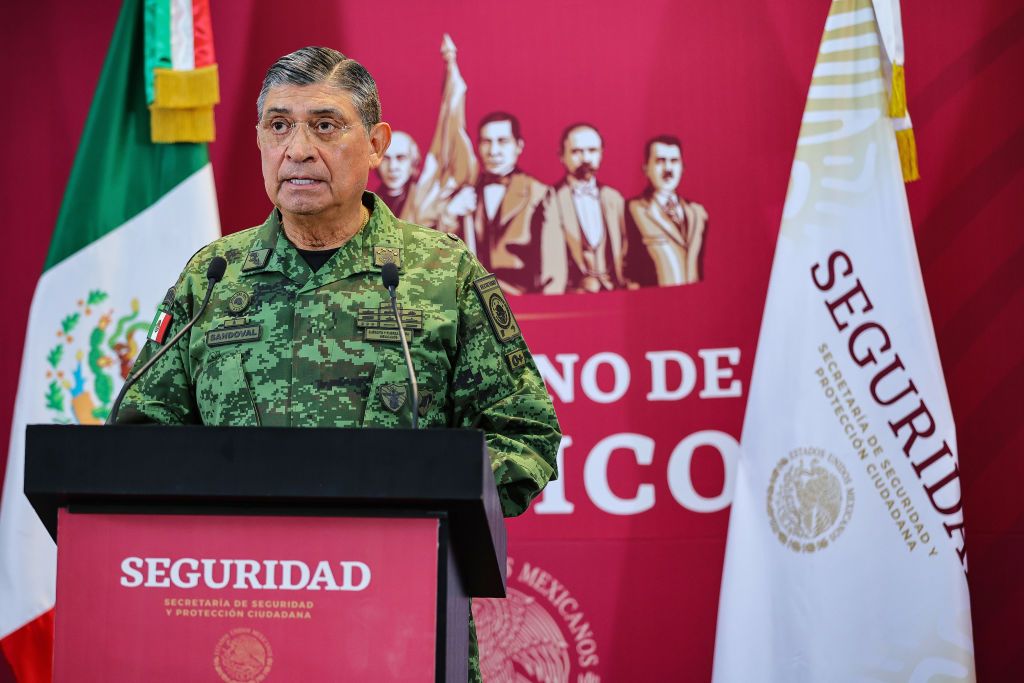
(846, 558)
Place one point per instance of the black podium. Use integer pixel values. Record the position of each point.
(444, 475)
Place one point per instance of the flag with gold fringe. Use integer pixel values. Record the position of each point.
(846, 556)
(133, 212)
(181, 71)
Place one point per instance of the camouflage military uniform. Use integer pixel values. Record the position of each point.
(281, 345)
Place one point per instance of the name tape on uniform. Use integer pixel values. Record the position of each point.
(234, 332)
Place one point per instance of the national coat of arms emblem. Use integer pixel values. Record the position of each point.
(94, 352)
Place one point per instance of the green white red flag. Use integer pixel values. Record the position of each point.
(846, 558)
(133, 213)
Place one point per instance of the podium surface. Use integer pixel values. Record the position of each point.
(266, 553)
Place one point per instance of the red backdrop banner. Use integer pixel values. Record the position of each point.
(618, 566)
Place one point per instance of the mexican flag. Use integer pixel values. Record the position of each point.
(133, 213)
(846, 558)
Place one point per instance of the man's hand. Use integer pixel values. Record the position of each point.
(462, 202)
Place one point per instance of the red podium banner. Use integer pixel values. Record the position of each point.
(238, 598)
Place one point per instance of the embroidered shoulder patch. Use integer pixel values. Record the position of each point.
(496, 307)
(169, 298)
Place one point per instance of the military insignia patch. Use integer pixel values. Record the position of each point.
(516, 359)
(256, 259)
(382, 255)
(496, 307)
(392, 396)
(238, 302)
(169, 298)
(426, 398)
(378, 324)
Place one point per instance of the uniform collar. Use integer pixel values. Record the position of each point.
(381, 239)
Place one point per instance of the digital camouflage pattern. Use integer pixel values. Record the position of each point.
(281, 345)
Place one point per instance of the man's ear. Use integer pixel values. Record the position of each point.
(380, 140)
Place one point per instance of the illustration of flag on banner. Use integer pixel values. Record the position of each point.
(846, 557)
(133, 213)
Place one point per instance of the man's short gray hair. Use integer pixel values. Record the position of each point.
(323, 65)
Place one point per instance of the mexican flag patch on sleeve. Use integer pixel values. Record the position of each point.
(164, 318)
(161, 323)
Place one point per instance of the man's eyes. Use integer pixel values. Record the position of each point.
(327, 126)
(321, 126)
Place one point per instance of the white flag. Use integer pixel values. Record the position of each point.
(846, 558)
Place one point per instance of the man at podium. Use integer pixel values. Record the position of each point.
(299, 331)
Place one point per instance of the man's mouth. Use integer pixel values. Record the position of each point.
(584, 171)
(301, 181)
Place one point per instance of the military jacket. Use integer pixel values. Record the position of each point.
(280, 345)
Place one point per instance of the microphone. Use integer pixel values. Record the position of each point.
(214, 273)
(389, 276)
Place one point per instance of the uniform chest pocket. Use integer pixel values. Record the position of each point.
(224, 394)
(390, 398)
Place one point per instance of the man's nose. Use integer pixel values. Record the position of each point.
(300, 146)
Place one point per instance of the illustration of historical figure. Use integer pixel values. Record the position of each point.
(397, 171)
(418, 194)
(498, 216)
(588, 216)
(666, 231)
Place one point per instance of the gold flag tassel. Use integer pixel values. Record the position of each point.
(182, 109)
(907, 147)
(181, 125)
(905, 142)
(897, 93)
